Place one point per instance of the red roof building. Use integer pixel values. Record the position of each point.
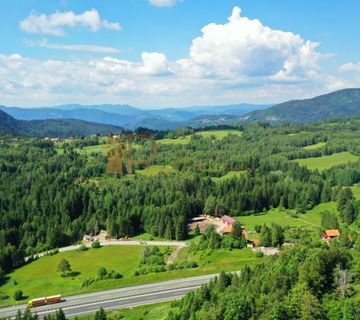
(332, 233)
(229, 221)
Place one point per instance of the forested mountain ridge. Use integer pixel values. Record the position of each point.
(339, 104)
(53, 128)
(131, 117)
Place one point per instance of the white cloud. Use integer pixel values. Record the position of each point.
(55, 23)
(350, 67)
(73, 47)
(163, 3)
(246, 48)
(155, 63)
(238, 61)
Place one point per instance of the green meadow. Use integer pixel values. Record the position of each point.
(157, 311)
(229, 175)
(311, 219)
(326, 162)
(315, 146)
(41, 278)
(219, 134)
(154, 170)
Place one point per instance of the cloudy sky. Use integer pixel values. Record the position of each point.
(157, 53)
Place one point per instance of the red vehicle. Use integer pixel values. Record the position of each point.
(43, 301)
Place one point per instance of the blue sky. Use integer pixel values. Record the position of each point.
(157, 53)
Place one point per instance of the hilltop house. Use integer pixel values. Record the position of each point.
(228, 221)
(331, 234)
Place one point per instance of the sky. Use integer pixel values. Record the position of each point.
(176, 53)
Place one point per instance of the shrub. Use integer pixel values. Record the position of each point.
(18, 295)
(101, 273)
(83, 248)
(259, 254)
(95, 244)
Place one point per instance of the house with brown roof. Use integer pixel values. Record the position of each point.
(331, 234)
(227, 220)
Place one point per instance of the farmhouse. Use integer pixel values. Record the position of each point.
(331, 234)
(228, 221)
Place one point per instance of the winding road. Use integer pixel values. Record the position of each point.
(117, 298)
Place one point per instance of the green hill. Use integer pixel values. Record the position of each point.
(53, 128)
(339, 104)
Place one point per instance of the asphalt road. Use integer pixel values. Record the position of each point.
(117, 298)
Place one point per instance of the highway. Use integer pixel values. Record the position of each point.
(116, 298)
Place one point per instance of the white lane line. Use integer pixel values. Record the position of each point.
(118, 299)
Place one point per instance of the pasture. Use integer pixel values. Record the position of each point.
(154, 170)
(326, 162)
(218, 134)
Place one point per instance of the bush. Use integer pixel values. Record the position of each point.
(95, 244)
(259, 254)
(18, 295)
(83, 248)
(101, 273)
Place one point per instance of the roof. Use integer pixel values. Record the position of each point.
(228, 229)
(256, 242)
(228, 219)
(332, 233)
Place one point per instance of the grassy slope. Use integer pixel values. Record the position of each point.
(154, 170)
(157, 311)
(311, 219)
(322, 163)
(356, 191)
(40, 278)
(219, 134)
(229, 175)
(315, 146)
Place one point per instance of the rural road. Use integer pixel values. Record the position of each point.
(117, 298)
(178, 244)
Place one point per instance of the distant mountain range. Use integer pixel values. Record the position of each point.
(76, 119)
(53, 128)
(131, 118)
(339, 104)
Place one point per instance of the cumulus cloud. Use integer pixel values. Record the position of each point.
(241, 60)
(155, 63)
(55, 23)
(246, 48)
(350, 67)
(163, 3)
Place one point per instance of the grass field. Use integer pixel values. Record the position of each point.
(229, 175)
(154, 170)
(157, 311)
(211, 262)
(356, 191)
(40, 277)
(311, 219)
(315, 146)
(326, 162)
(219, 134)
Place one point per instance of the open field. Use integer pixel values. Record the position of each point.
(356, 191)
(220, 260)
(219, 134)
(311, 219)
(154, 170)
(157, 311)
(326, 162)
(229, 175)
(315, 146)
(40, 277)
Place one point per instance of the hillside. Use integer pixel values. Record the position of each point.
(53, 128)
(130, 117)
(339, 104)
